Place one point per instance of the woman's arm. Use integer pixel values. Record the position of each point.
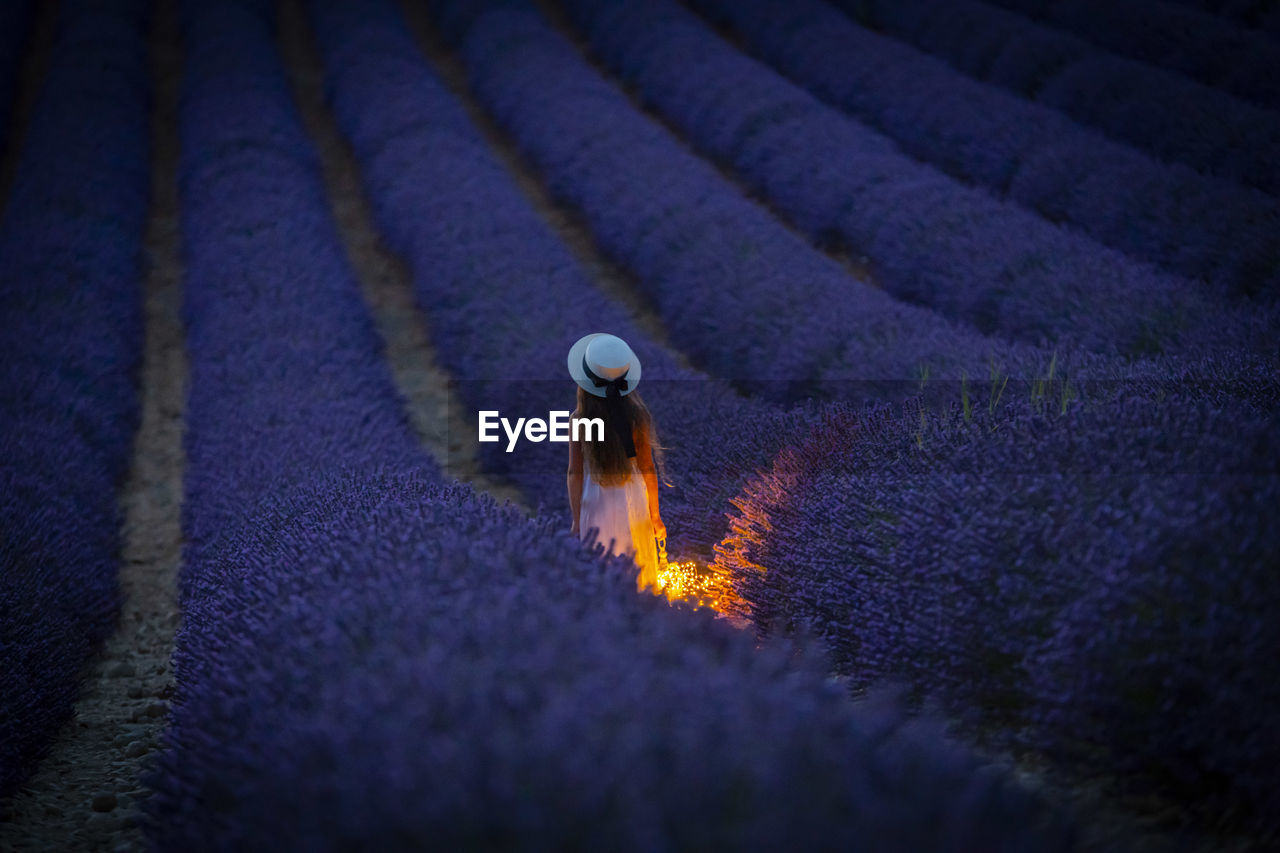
(574, 483)
(644, 460)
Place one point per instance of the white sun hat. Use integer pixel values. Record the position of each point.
(601, 362)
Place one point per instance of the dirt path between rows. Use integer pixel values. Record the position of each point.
(384, 278)
(84, 793)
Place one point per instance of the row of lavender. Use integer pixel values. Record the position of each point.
(287, 375)
(1096, 586)
(1206, 48)
(372, 658)
(1160, 111)
(752, 301)
(70, 344)
(1167, 215)
(930, 240)
(406, 666)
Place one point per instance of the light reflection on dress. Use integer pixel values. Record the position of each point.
(620, 514)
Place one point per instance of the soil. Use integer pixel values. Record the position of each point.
(384, 278)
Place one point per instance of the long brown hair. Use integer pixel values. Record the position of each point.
(608, 460)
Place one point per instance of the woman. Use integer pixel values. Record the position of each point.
(613, 484)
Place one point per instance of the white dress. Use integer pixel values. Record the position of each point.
(620, 515)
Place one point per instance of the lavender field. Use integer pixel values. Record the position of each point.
(959, 326)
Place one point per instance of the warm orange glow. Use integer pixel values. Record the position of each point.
(759, 505)
(695, 583)
(749, 528)
(683, 580)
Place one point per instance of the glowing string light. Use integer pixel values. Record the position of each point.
(691, 581)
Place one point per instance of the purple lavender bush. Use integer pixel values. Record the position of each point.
(70, 344)
(1089, 584)
(748, 299)
(287, 375)
(1205, 48)
(1165, 214)
(1162, 668)
(1162, 112)
(387, 663)
(933, 241)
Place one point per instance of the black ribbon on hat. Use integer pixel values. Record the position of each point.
(619, 417)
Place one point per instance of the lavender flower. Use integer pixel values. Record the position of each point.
(1165, 214)
(1089, 584)
(287, 375)
(1166, 114)
(385, 662)
(720, 269)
